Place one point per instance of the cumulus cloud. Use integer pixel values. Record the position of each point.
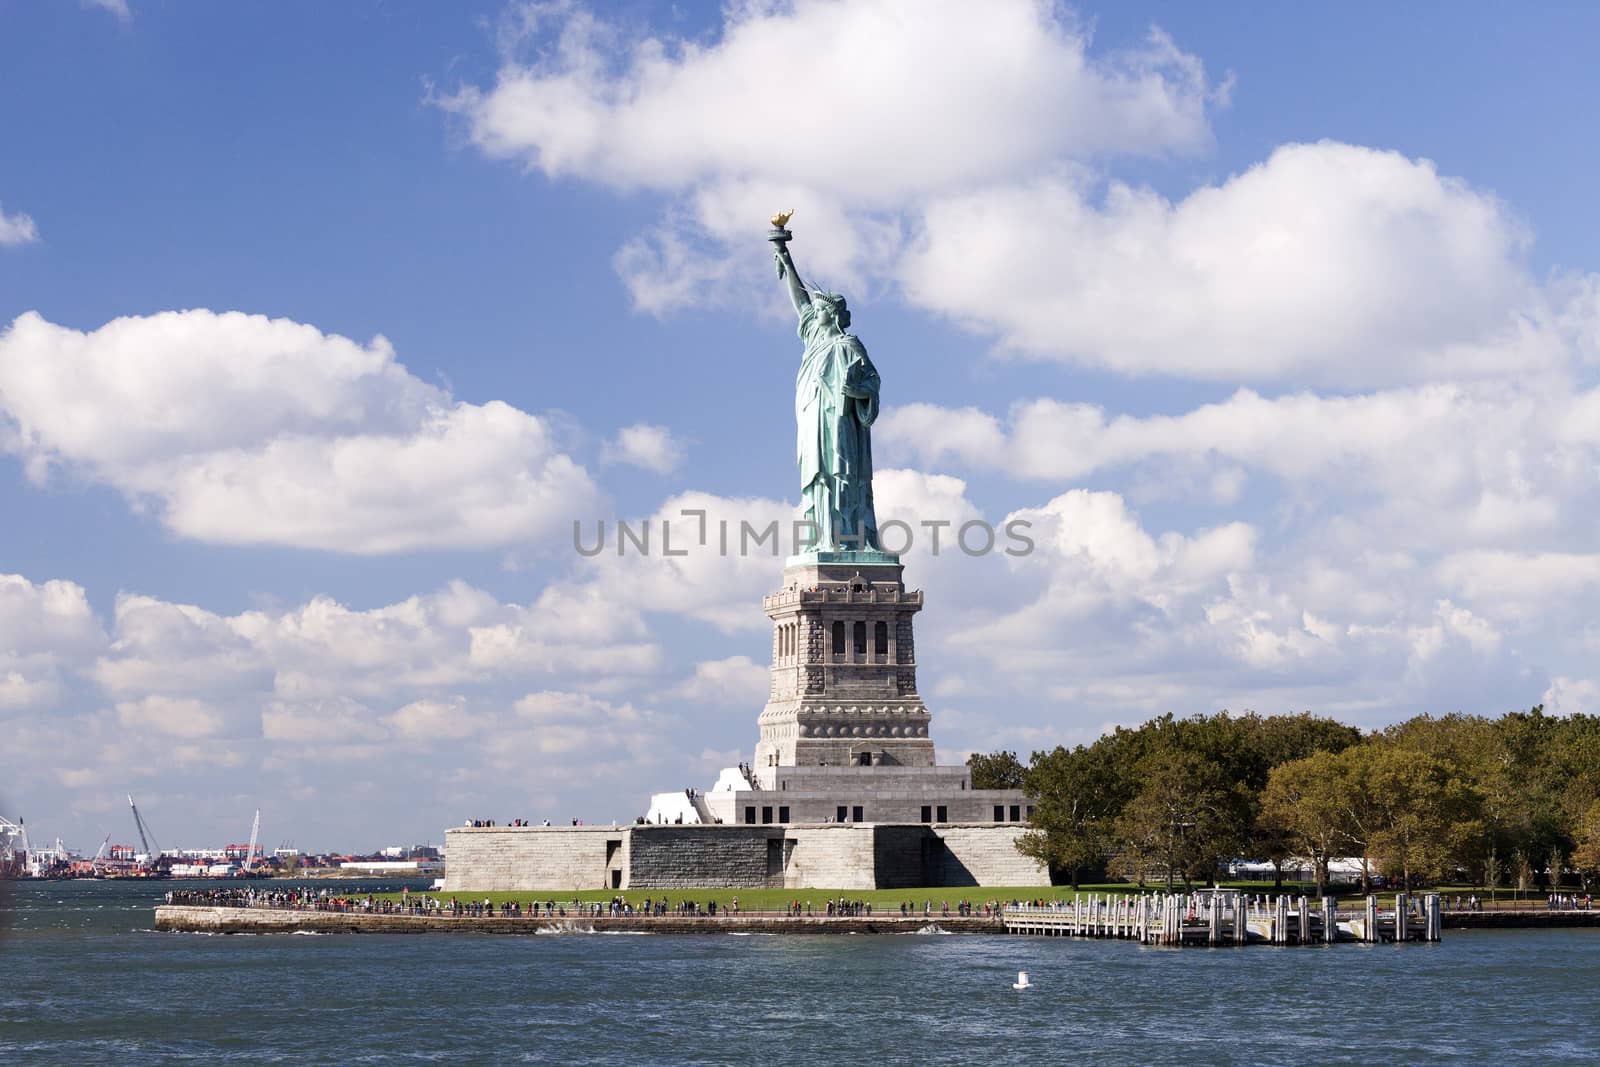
(668, 113)
(736, 681)
(1573, 696)
(239, 429)
(17, 229)
(434, 720)
(1325, 263)
(172, 648)
(1434, 465)
(835, 128)
(1521, 585)
(46, 629)
(335, 721)
(286, 690)
(559, 723)
(651, 447)
(324, 654)
(172, 716)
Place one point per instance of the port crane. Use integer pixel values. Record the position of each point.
(146, 838)
(250, 850)
(10, 834)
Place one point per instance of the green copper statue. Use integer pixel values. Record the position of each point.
(835, 403)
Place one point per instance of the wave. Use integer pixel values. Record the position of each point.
(566, 928)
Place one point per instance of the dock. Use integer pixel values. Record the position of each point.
(1219, 918)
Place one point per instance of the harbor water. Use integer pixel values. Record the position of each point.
(83, 978)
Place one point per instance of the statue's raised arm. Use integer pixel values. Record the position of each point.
(780, 255)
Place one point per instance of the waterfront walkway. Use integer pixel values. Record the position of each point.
(264, 920)
(1152, 919)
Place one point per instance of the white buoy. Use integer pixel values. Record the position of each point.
(1022, 981)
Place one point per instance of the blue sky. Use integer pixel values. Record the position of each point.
(327, 320)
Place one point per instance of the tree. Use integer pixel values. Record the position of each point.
(1075, 796)
(1408, 808)
(1280, 739)
(1249, 747)
(1586, 852)
(1186, 818)
(997, 770)
(1510, 764)
(1304, 804)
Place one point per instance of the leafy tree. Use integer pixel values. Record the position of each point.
(1304, 803)
(997, 770)
(1280, 739)
(1572, 759)
(1511, 764)
(1586, 853)
(1409, 808)
(1186, 818)
(1075, 797)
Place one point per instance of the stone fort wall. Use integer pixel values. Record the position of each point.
(820, 856)
(503, 858)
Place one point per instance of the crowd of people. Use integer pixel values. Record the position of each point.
(619, 907)
(300, 899)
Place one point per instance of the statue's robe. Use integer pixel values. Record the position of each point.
(835, 403)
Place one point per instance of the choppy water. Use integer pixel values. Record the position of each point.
(83, 981)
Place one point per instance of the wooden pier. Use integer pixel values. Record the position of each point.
(1219, 917)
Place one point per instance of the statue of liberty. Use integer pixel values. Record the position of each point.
(835, 404)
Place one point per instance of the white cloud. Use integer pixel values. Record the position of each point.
(172, 716)
(737, 681)
(171, 648)
(119, 8)
(1327, 263)
(294, 691)
(654, 448)
(17, 229)
(1012, 89)
(1435, 465)
(336, 721)
(435, 720)
(1094, 553)
(1521, 585)
(309, 677)
(1572, 696)
(558, 723)
(45, 630)
(240, 429)
(764, 118)
(17, 690)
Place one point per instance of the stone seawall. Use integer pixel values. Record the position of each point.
(207, 920)
(1519, 919)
